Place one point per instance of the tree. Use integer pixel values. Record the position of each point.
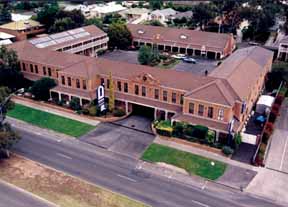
(203, 13)
(75, 15)
(7, 139)
(47, 14)
(40, 88)
(9, 69)
(155, 4)
(95, 21)
(119, 36)
(75, 104)
(4, 93)
(156, 23)
(5, 15)
(61, 25)
(111, 104)
(145, 55)
(113, 18)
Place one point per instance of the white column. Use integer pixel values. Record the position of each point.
(81, 103)
(155, 113)
(217, 136)
(166, 115)
(59, 94)
(126, 107)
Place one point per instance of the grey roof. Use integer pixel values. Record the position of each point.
(165, 12)
(187, 14)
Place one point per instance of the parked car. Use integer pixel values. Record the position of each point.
(178, 56)
(189, 60)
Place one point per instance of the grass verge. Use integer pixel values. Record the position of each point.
(193, 164)
(49, 121)
(59, 188)
(172, 65)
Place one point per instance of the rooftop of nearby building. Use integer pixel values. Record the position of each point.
(187, 14)
(21, 25)
(5, 36)
(136, 11)
(164, 12)
(242, 68)
(179, 37)
(73, 36)
(108, 8)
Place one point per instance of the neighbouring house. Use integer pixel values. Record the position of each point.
(21, 17)
(86, 40)
(23, 29)
(283, 49)
(188, 15)
(163, 15)
(101, 10)
(85, 10)
(220, 101)
(135, 15)
(184, 41)
(6, 39)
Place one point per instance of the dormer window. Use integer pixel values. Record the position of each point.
(140, 31)
(183, 37)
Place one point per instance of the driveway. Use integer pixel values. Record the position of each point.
(278, 153)
(122, 56)
(130, 136)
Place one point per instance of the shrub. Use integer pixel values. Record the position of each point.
(279, 99)
(75, 104)
(119, 112)
(178, 129)
(237, 140)
(269, 128)
(262, 148)
(164, 132)
(92, 110)
(227, 150)
(40, 88)
(200, 131)
(210, 137)
(164, 128)
(188, 131)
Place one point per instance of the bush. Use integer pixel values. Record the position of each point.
(92, 110)
(164, 132)
(237, 140)
(119, 112)
(227, 150)
(40, 88)
(210, 137)
(200, 131)
(75, 104)
(164, 128)
(188, 131)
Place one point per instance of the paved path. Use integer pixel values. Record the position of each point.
(277, 157)
(57, 112)
(11, 196)
(123, 175)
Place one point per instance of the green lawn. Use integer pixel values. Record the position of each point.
(193, 164)
(49, 121)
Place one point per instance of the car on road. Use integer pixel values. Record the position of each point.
(178, 56)
(189, 60)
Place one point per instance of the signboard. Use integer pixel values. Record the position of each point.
(101, 98)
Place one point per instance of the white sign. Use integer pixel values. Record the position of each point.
(101, 98)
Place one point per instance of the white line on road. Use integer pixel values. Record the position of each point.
(283, 155)
(65, 156)
(127, 178)
(200, 204)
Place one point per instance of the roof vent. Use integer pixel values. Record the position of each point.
(183, 37)
(140, 31)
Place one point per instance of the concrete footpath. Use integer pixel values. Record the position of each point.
(56, 112)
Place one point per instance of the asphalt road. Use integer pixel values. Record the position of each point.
(119, 174)
(12, 197)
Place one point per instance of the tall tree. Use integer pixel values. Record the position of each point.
(41, 88)
(111, 104)
(203, 13)
(61, 25)
(47, 14)
(10, 74)
(119, 36)
(5, 15)
(155, 4)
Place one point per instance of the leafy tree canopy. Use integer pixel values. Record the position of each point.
(5, 15)
(40, 88)
(119, 36)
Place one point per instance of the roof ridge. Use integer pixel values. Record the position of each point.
(220, 89)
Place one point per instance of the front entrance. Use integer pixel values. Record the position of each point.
(144, 111)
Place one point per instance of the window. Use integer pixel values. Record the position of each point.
(44, 70)
(36, 68)
(69, 81)
(173, 97)
(108, 83)
(119, 85)
(191, 108)
(31, 68)
(102, 81)
(126, 87)
(143, 91)
(200, 110)
(84, 84)
(136, 89)
(221, 114)
(24, 66)
(63, 80)
(156, 93)
(77, 83)
(165, 95)
(181, 99)
(49, 72)
(210, 112)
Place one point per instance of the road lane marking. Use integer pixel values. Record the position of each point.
(200, 204)
(127, 178)
(65, 156)
(283, 155)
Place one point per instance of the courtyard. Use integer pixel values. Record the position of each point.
(131, 57)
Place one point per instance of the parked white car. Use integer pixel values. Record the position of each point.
(178, 56)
